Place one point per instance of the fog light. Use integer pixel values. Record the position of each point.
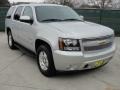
(72, 67)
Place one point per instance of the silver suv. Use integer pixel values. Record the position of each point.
(61, 39)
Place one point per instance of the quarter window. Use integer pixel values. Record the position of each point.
(10, 12)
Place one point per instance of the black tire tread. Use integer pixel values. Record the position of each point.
(13, 47)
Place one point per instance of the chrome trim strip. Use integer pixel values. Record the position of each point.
(97, 38)
(99, 43)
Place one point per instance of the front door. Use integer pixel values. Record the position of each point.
(27, 32)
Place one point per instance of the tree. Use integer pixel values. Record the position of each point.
(66, 2)
(4, 3)
(116, 4)
(62, 2)
(71, 3)
(17, 3)
(100, 3)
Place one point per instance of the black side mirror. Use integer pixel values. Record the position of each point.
(16, 17)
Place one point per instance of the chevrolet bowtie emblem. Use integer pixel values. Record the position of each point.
(102, 42)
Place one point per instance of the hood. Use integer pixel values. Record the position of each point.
(81, 29)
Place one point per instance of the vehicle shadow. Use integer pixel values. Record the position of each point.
(60, 73)
(76, 73)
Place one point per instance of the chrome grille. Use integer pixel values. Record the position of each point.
(98, 43)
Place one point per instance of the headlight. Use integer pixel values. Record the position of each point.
(66, 44)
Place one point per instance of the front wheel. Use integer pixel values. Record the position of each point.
(45, 61)
(11, 42)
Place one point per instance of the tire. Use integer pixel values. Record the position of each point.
(45, 61)
(11, 42)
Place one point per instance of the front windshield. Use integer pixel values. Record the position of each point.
(44, 13)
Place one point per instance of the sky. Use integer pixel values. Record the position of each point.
(26, 0)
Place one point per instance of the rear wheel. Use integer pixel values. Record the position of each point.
(45, 61)
(11, 42)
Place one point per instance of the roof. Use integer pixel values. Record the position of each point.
(38, 5)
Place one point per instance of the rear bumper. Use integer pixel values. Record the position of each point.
(67, 61)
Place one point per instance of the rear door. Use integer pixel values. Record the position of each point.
(8, 21)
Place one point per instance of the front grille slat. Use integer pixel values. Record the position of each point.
(97, 47)
(98, 38)
(100, 43)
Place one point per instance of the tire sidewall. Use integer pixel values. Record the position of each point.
(51, 69)
(9, 33)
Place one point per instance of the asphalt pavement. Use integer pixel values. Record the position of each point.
(19, 71)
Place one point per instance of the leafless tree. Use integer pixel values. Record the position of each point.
(71, 3)
(62, 2)
(4, 3)
(116, 4)
(17, 3)
(100, 3)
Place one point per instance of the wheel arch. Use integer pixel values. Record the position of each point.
(52, 68)
(39, 42)
(7, 30)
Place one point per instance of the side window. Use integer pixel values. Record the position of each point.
(10, 12)
(28, 12)
(18, 13)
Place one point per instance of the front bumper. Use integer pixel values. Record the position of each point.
(68, 61)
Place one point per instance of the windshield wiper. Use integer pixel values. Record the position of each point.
(72, 20)
(51, 20)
